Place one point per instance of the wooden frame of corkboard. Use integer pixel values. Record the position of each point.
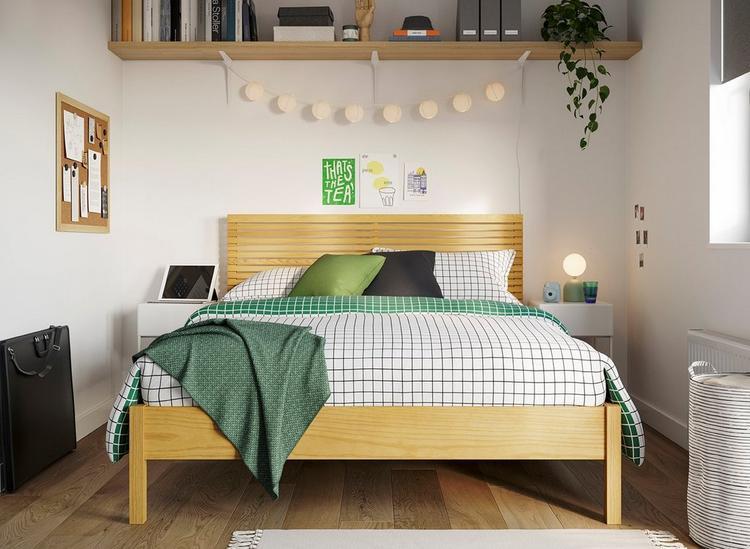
(95, 223)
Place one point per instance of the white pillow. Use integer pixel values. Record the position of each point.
(473, 275)
(268, 284)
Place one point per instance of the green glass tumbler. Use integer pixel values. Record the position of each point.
(590, 290)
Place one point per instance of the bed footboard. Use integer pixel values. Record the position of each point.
(385, 433)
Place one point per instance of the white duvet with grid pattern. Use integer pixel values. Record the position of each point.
(434, 359)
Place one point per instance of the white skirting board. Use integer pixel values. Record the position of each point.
(668, 425)
(93, 418)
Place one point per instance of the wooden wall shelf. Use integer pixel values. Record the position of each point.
(353, 51)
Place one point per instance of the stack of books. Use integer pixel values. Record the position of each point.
(184, 21)
(402, 35)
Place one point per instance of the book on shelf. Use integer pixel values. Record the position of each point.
(216, 20)
(174, 20)
(116, 20)
(183, 20)
(238, 20)
(197, 15)
(148, 15)
(127, 20)
(155, 20)
(249, 21)
(137, 20)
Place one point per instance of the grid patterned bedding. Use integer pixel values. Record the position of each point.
(394, 351)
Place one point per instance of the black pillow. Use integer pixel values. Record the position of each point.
(406, 274)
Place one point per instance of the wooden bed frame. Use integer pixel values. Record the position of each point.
(258, 242)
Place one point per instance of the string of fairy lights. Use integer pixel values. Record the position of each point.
(392, 113)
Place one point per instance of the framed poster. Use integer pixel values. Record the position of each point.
(416, 186)
(378, 180)
(339, 184)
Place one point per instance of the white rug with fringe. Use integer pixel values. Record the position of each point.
(452, 539)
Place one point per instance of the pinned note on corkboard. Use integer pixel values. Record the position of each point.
(82, 195)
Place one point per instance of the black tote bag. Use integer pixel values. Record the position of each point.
(37, 416)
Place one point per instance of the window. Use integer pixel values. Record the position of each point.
(730, 122)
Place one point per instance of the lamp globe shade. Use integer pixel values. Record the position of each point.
(574, 265)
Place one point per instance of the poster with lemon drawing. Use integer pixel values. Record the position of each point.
(378, 181)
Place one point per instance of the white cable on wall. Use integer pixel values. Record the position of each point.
(522, 64)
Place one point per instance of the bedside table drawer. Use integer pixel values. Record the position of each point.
(582, 319)
(155, 319)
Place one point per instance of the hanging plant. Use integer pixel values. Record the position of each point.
(579, 27)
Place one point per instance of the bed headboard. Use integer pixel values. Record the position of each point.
(259, 242)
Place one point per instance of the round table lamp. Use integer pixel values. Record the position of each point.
(574, 265)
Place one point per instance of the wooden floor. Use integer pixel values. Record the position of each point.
(81, 501)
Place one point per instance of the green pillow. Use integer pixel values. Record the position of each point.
(339, 275)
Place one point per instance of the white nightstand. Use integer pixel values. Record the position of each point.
(583, 320)
(157, 318)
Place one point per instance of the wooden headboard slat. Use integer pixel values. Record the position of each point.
(258, 242)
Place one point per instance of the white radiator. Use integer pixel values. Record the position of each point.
(723, 352)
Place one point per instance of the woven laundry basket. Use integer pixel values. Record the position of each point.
(719, 442)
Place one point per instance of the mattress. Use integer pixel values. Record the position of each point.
(423, 352)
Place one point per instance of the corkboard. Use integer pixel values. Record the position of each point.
(95, 223)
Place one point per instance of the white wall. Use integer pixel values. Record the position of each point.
(49, 277)
(685, 283)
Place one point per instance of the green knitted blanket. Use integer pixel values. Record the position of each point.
(262, 383)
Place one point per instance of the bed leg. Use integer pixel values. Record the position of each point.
(138, 468)
(613, 466)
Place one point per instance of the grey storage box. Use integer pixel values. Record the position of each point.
(467, 20)
(511, 20)
(312, 16)
(489, 19)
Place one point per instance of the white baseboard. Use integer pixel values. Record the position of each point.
(93, 418)
(666, 424)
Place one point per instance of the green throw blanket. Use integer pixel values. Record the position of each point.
(262, 383)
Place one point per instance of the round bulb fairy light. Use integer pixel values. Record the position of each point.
(462, 102)
(321, 110)
(428, 109)
(286, 102)
(495, 91)
(392, 113)
(254, 91)
(354, 113)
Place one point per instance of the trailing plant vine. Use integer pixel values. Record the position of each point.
(579, 26)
